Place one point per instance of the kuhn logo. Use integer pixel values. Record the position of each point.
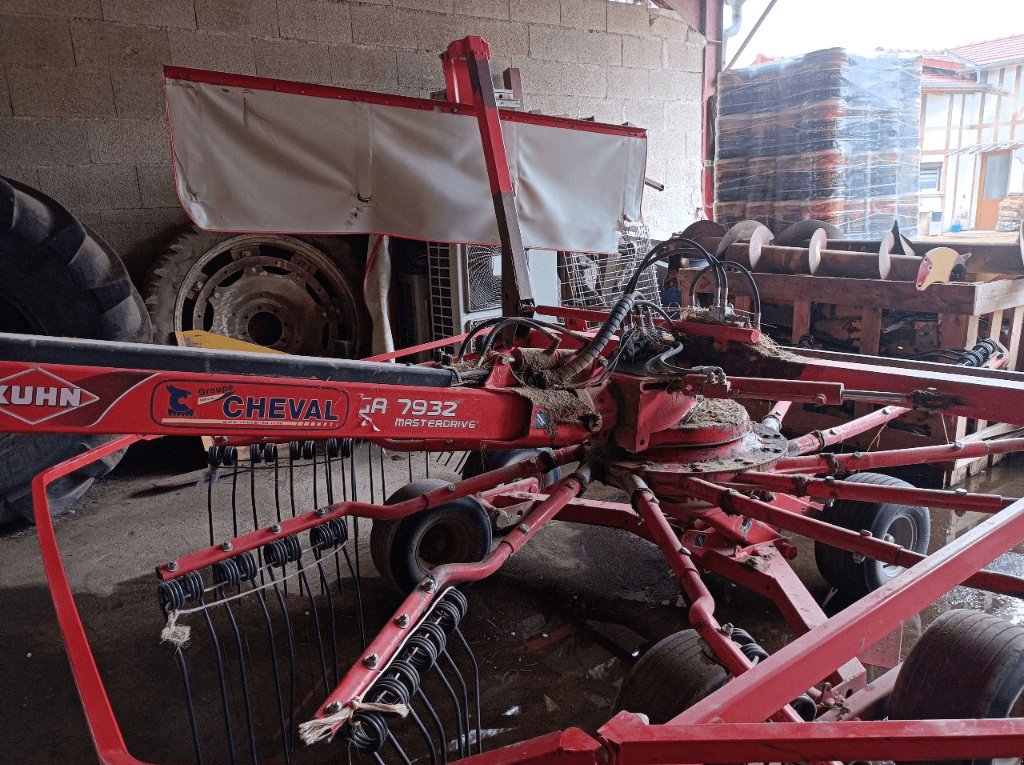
(35, 395)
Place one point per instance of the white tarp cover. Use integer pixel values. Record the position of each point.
(262, 161)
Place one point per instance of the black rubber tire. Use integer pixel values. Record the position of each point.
(396, 546)
(59, 279)
(482, 462)
(671, 677)
(799, 234)
(967, 664)
(838, 567)
(167, 275)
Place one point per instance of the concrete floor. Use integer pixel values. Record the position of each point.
(554, 631)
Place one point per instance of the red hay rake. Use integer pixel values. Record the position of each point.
(647, 402)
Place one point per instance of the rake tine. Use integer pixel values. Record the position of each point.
(465, 696)
(355, 519)
(234, 491)
(171, 597)
(398, 749)
(285, 740)
(312, 456)
(358, 583)
(408, 460)
(396, 689)
(476, 682)
(315, 613)
(270, 454)
(460, 730)
(326, 588)
(221, 677)
(225, 574)
(255, 456)
(369, 470)
(209, 500)
(437, 724)
(403, 667)
(426, 465)
(383, 480)
(292, 454)
(291, 659)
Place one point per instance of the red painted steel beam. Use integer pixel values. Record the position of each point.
(390, 639)
(829, 488)
(819, 439)
(103, 727)
(545, 462)
(753, 696)
(702, 603)
(996, 400)
(473, 54)
(189, 74)
(569, 747)
(901, 740)
(844, 539)
(858, 461)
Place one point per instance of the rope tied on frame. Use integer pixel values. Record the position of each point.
(320, 728)
(176, 634)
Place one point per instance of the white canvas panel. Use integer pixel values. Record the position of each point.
(264, 161)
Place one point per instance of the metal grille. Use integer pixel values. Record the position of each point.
(598, 281)
(442, 287)
(484, 285)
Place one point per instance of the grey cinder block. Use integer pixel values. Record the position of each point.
(60, 92)
(106, 45)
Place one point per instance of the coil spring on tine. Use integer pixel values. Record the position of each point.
(458, 597)
(308, 449)
(192, 585)
(331, 447)
(406, 673)
(294, 450)
(270, 453)
(170, 595)
(280, 552)
(449, 614)
(323, 536)
(248, 568)
(256, 453)
(368, 732)
(214, 456)
(225, 572)
(340, 531)
(390, 686)
(741, 636)
(435, 634)
(421, 652)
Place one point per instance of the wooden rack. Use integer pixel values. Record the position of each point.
(960, 307)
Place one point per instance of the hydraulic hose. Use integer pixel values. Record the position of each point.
(589, 353)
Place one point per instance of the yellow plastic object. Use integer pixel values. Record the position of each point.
(197, 338)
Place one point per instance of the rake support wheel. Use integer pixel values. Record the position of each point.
(903, 524)
(672, 676)
(967, 664)
(404, 551)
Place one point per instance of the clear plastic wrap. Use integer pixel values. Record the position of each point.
(827, 135)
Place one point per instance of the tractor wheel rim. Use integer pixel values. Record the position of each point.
(275, 291)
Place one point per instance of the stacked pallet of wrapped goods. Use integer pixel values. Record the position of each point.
(827, 135)
(1011, 213)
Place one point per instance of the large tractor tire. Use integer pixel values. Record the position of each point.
(297, 295)
(57, 278)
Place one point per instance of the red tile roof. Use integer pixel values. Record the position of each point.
(989, 52)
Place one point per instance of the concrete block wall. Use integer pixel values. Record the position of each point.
(81, 107)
